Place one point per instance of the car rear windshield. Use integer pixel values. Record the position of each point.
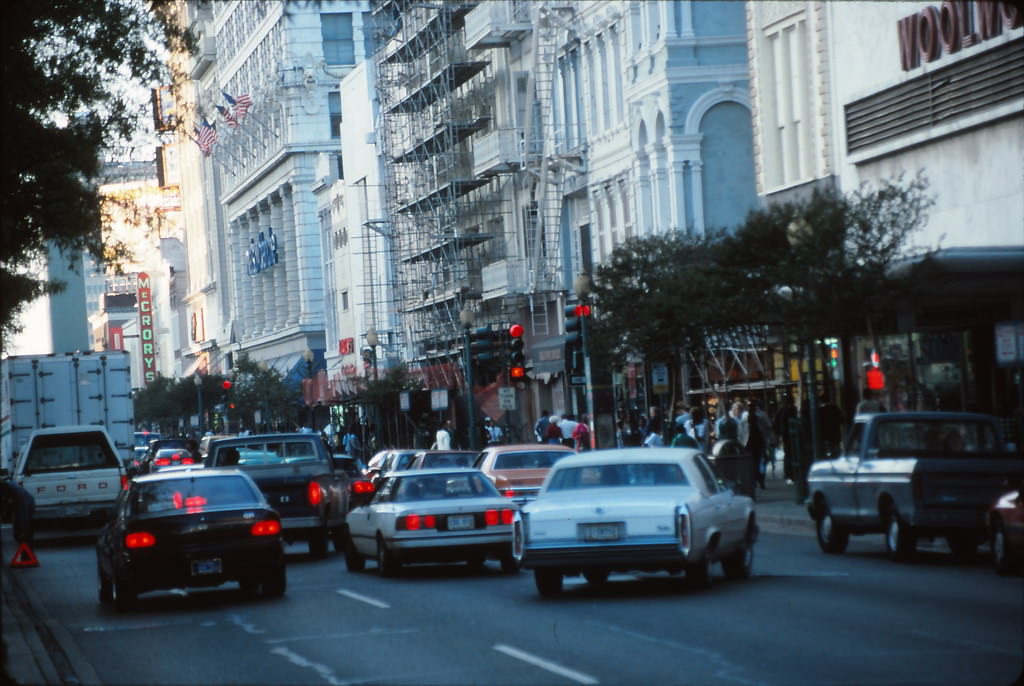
(532, 459)
(194, 495)
(69, 452)
(447, 460)
(271, 453)
(613, 475)
(443, 486)
(940, 438)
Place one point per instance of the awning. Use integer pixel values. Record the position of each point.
(547, 357)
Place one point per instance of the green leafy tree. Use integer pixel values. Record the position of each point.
(261, 388)
(65, 67)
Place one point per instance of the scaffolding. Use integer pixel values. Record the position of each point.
(446, 222)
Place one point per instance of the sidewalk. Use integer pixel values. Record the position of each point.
(777, 504)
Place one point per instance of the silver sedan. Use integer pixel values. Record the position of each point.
(434, 515)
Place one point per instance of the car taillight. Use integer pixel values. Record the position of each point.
(139, 539)
(494, 517)
(510, 493)
(162, 461)
(124, 482)
(187, 460)
(314, 493)
(271, 527)
(415, 522)
(683, 530)
(361, 487)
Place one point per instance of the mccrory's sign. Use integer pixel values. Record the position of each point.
(934, 31)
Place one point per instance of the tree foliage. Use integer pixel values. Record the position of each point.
(66, 65)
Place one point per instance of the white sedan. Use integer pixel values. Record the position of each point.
(434, 515)
(637, 509)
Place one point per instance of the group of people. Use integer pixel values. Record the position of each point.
(563, 430)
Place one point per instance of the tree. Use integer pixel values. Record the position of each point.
(261, 388)
(66, 65)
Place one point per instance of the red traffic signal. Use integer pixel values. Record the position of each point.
(517, 372)
(516, 331)
(226, 385)
(582, 310)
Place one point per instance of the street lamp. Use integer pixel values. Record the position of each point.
(583, 285)
(798, 233)
(372, 340)
(467, 319)
(307, 355)
(198, 381)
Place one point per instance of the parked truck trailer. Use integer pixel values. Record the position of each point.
(44, 391)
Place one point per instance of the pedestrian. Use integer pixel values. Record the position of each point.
(541, 426)
(492, 431)
(553, 433)
(830, 420)
(698, 428)
(683, 440)
(726, 426)
(869, 403)
(655, 440)
(739, 413)
(581, 435)
(567, 426)
(443, 437)
(759, 440)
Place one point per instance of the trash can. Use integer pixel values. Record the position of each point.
(736, 464)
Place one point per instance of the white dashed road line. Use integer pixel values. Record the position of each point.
(364, 599)
(578, 677)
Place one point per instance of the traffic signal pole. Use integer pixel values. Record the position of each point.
(470, 410)
(589, 388)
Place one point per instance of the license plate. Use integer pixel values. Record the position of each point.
(205, 567)
(456, 522)
(602, 532)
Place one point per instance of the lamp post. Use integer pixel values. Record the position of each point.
(198, 381)
(797, 234)
(584, 286)
(372, 340)
(307, 355)
(467, 318)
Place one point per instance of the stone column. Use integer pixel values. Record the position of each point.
(289, 257)
(278, 309)
(697, 192)
(256, 281)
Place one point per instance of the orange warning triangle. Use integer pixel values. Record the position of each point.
(24, 557)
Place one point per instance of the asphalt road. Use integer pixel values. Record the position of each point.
(803, 618)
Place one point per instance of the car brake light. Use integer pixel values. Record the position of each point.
(361, 487)
(507, 516)
(494, 517)
(510, 493)
(415, 522)
(314, 493)
(162, 461)
(139, 539)
(271, 527)
(187, 460)
(124, 482)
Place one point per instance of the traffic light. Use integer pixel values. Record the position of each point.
(484, 352)
(516, 353)
(226, 394)
(575, 324)
(833, 355)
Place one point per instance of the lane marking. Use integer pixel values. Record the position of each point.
(349, 634)
(362, 598)
(578, 677)
(325, 672)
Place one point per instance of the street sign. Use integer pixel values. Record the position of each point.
(659, 379)
(578, 380)
(507, 398)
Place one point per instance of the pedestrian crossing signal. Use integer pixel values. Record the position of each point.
(24, 557)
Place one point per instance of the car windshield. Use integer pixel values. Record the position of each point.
(142, 439)
(614, 475)
(940, 438)
(531, 459)
(194, 495)
(258, 453)
(443, 486)
(446, 460)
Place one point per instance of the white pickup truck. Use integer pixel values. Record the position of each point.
(74, 474)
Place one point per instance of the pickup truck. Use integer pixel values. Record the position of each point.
(300, 479)
(912, 475)
(74, 473)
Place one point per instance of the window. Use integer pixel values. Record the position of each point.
(344, 301)
(336, 31)
(334, 107)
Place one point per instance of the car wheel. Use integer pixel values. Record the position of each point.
(596, 576)
(964, 547)
(353, 560)
(318, 544)
(1000, 555)
(548, 581)
(106, 588)
(739, 564)
(124, 594)
(832, 538)
(900, 542)
(698, 574)
(387, 563)
(274, 585)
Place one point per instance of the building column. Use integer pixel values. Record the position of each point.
(290, 257)
(277, 312)
(256, 284)
(697, 192)
(238, 250)
(644, 207)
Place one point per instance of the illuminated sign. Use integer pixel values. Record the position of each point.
(261, 253)
(146, 329)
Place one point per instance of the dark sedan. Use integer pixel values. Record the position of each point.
(190, 528)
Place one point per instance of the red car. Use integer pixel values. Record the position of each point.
(1006, 529)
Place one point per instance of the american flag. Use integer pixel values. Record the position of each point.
(228, 115)
(206, 136)
(239, 105)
